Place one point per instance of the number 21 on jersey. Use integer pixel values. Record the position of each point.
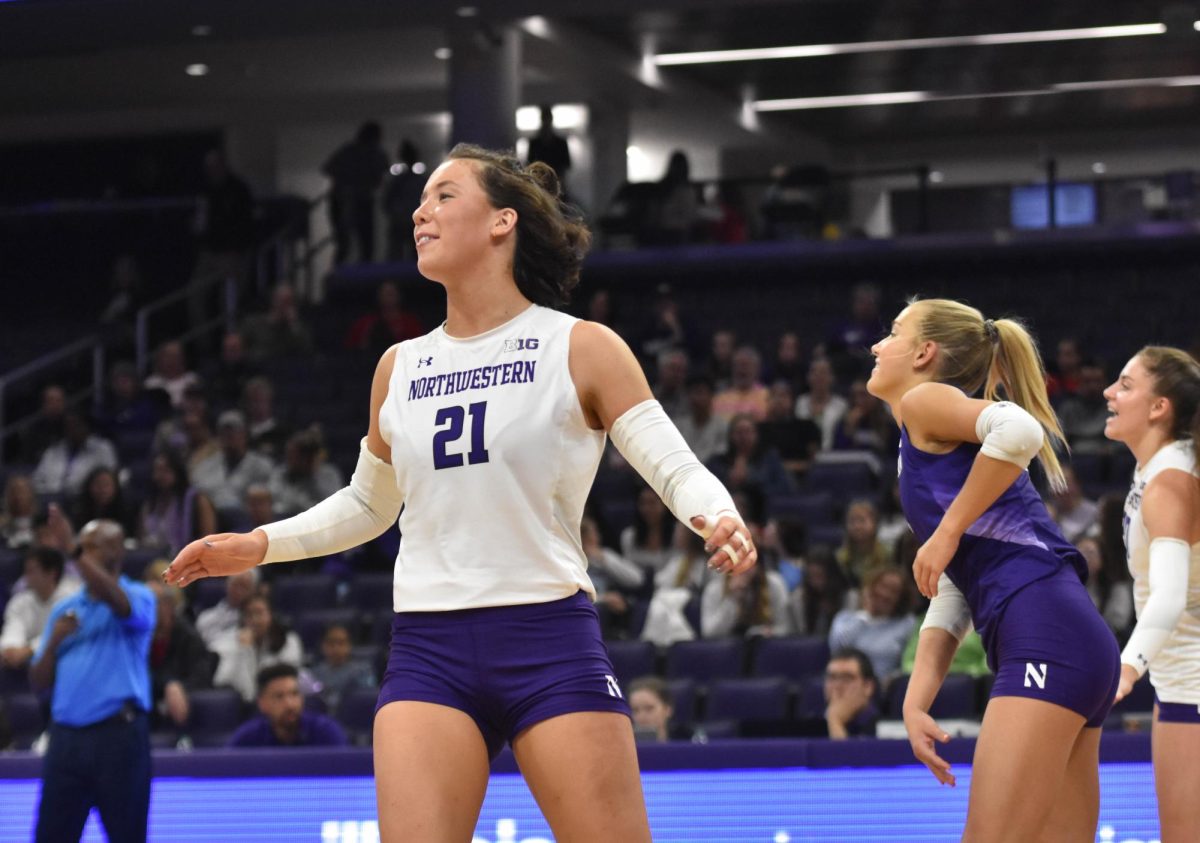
(452, 418)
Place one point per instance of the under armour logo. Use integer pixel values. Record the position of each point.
(424, 361)
(614, 690)
(1033, 677)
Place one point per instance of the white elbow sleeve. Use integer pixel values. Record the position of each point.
(948, 610)
(1169, 561)
(345, 519)
(1009, 433)
(656, 449)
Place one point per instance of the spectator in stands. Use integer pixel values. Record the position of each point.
(615, 578)
(47, 427)
(670, 387)
(706, 433)
(224, 618)
(866, 426)
(54, 529)
(127, 293)
(375, 332)
(401, 197)
(647, 541)
(788, 363)
(861, 552)
(850, 341)
(20, 511)
(665, 330)
(674, 206)
(747, 462)
(356, 169)
(179, 661)
(653, 709)
(224, 477)
(881, 628)
(27, 611)
(720, 358)
(262, 640)
(305, 478)
(752, 604)
(177, 433)
(66, 464)
(199, 443)
(1109, 581)
(797, 441)
(1084, 414)
(280, 332)
(821, 404)
(850, 693)
(677, 586)
(128, 408)
(970, 658)
(551, 148)
(171, 373)
(265, 433)
(893, 526)
(1074, 513)
(822, 594)
(101, 497)
(226, 377)
(745, 395)
(1064, 380)
(259, 505)
(337, 672)
(93, 660)
(282, 720)
(175, 512)
(225, 228)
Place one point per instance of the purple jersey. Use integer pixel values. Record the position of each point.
(1014, 543)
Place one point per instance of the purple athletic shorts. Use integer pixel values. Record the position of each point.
(1052, 645)
(1176, 712)
(508, 667)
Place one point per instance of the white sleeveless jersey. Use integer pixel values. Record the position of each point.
(495, 461)
(1175, 671)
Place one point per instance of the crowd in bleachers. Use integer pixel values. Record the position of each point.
(263, 426)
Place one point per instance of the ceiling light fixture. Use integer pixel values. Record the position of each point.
(202, 30)
(197, 69)
(901, 97)
(443, 53)
(998, 38)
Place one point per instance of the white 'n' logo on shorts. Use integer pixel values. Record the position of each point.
(614, 690)
(1032, 675)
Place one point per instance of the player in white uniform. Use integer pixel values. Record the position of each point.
(1155, 411)
(489, 431)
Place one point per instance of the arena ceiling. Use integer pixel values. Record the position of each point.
(73, 55)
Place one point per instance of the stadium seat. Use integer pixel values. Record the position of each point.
(26, 718)
(794, 657)
(843, 480)
(631, 659)
(206, 593)
(705, 660)
(811, 509)
(310, 625)
(371, 591)
(683, 700)
(356, 713)
(955, 699)
(215, 714)
(291, 595)
(748, 700)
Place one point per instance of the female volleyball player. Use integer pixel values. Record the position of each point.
(489, 431)
(1155, 407)
(991, 555)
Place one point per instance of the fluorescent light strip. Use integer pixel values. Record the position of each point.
(901, 97)
(812, 50)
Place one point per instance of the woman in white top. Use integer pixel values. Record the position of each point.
(1154, 409)
(489, 430)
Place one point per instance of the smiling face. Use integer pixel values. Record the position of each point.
(1132, 404)
(894, 355)
(455, 225)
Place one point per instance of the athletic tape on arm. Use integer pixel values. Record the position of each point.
(649, 440)
(948, 610)
(349, 517)
(1169, 562)
(1009, 433)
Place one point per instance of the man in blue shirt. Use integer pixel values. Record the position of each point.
(94, 654)
(282, 720)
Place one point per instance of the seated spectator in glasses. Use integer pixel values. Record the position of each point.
(337, 672)
(282, 720)
(850, 689)
(26, 613)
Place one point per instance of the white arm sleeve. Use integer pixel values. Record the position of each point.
(651, 443)
(948, 610)
(345, 519)
(1009, 433)
(1169, 561)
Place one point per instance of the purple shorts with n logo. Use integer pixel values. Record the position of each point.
(1052, 645)
(508, 667)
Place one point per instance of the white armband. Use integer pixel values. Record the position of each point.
(656, 449)
(349, 517)
(1009, 433)
(948, 610)
(1169, 562)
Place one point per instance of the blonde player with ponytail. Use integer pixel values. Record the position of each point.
(969, 395)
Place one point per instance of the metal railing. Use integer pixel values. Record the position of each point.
(227, 320)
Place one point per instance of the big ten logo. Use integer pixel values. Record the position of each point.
(520, 345)
(506, 831)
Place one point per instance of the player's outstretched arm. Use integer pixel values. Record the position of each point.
(935, 651)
